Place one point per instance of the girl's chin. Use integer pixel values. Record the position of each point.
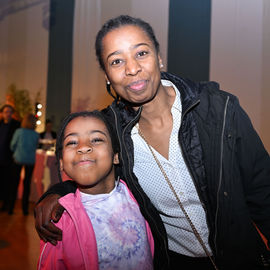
(84, 185)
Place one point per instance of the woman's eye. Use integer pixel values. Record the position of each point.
(142, 53)
(116, 62)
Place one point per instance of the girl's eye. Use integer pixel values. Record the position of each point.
(70, 143)
(116, 62)
(142, 53)
(97, 140)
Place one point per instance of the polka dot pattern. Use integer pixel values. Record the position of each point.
(181, 237)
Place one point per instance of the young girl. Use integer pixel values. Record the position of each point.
(102, 225)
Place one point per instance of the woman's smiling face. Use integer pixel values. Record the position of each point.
(132, 64)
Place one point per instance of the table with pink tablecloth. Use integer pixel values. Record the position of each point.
(45, 175)
(45, 172)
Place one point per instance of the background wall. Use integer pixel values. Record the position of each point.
(60, 60)
(226, 41)
(24, 47)
(240, 56)
(189, 39)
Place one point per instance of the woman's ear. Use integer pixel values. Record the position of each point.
(115, 159)
(160, 62)
(107, 80)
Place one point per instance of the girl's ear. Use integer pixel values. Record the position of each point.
(115, 159)
(61, 165)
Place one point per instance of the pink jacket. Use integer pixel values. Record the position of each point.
(78, 248)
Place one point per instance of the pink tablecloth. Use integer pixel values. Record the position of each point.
(45, 175)
(38, 174)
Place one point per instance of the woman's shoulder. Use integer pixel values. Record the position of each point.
(36, 134)
(31, 132)
(18, 131)
(212, 90)
(119, 112)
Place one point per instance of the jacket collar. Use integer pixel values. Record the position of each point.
(189, 90)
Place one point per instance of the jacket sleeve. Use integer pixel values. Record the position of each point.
(61, 189)
(254, 164)
(51, 256)
(54, 257)
(14, 141)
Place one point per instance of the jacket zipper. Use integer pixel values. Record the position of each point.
(184, 156)
(117, 131)
(183, 152)
(41, 255)
(130, 174)
(220, 167)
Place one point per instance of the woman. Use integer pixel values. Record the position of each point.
(8, 126)
(187, 146)
(23, 145)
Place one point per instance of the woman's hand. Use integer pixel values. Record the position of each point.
(48, 212)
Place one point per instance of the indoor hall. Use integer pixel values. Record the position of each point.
(225, 42)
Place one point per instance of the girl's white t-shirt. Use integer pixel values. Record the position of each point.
(120, 230)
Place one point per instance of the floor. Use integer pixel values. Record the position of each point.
(19, 242)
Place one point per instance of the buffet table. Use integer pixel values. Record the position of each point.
(44, 175)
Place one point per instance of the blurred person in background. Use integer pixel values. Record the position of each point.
(23, 145)
(47, 137)
(8, 125)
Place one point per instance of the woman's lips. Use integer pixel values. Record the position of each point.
(138, 85)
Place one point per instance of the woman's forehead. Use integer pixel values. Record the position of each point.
(125, 33)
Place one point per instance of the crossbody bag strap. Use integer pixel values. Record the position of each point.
(196, 233)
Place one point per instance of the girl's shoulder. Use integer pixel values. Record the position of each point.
(124, 185)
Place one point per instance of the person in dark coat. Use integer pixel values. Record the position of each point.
(48, 136)
(8, 125)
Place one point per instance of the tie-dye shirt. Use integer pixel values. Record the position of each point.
(120, 230)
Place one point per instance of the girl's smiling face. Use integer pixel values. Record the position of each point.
(132, 64)
(87, 155)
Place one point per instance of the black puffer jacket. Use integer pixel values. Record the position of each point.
(228, 164)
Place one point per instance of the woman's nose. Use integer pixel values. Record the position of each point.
(132, 67)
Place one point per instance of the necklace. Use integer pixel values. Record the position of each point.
(196, 233)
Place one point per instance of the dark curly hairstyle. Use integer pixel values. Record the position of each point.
(91, 114)
(6, 106)
(117, 22)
